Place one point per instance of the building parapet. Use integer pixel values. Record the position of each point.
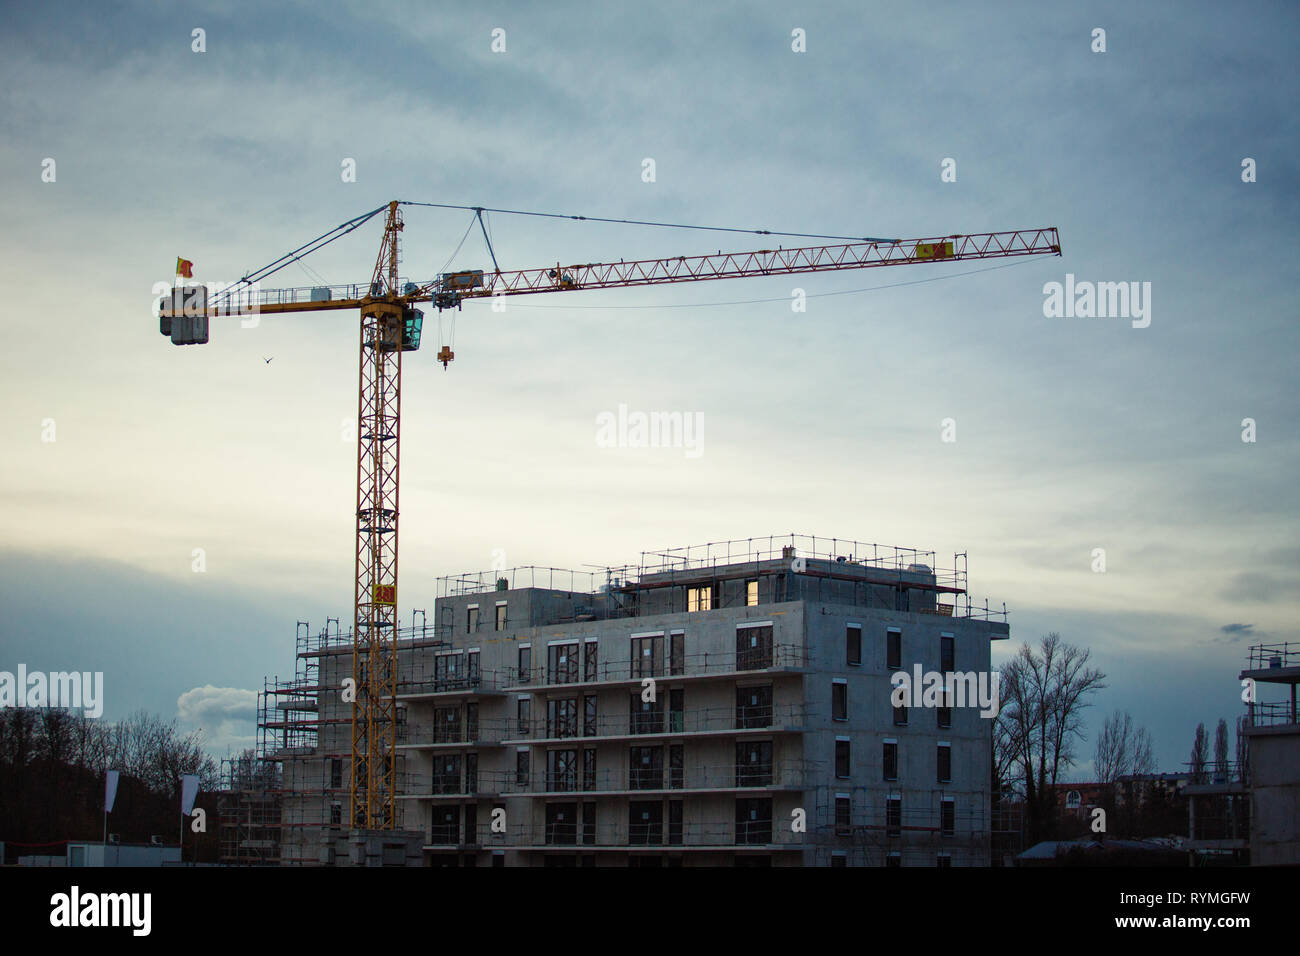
(612, 588)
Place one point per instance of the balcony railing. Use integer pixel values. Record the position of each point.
(788, 774)
(1271, 715)
(1272, 656)
(605, 835)
(464, 782)
(698, 720)
(463, 681)
(783, 655)
(482, 731)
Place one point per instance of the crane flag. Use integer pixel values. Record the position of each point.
(184, 268)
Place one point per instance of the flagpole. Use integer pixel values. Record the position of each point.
(110, 796)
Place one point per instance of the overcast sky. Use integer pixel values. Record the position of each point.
(1072, 434)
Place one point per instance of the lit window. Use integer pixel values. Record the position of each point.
(751, 593)
(699, 599)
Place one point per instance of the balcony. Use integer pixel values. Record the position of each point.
(717, 721)
(658, 779)
(657, 836)
(458, 784)
(464, 682)
(463, 733)
(781, 657)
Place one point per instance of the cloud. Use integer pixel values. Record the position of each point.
(226, 715)
(1238, 632)
(208, 704)
(1096, 436)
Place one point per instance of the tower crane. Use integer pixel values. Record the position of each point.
(391, 325)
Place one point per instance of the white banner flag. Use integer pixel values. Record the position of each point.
(189, 790)
(110, 790)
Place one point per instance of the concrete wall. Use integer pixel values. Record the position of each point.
(871, 722)
(809, 649)
(1275, 796)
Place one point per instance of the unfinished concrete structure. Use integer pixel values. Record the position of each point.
(727, 704)
(1272, 729)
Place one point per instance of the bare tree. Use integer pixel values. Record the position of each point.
(1243, 750)
(1044, 692)
(1122, 749)
(1221, 748)
(150, 749)
(1007, 768)
(1200, 754)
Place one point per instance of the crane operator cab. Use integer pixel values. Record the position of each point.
(398, 331)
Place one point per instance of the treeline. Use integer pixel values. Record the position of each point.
(53, 764)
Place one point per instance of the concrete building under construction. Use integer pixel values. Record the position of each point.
(727, 704)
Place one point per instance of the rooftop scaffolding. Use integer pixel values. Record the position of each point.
(823, 557)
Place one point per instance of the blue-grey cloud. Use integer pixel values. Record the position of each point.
(1073, 435)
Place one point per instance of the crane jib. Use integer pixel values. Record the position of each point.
(391, 326)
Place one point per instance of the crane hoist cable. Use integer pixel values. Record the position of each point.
(306, 249)
(341, 230)
(451, 258)
(487, 239)
(644, 222)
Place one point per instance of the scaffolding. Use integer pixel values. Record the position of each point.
(881, 832)
(285, 803)
(616, 588)
(1218, 813)
(265, 801)
(248, 807)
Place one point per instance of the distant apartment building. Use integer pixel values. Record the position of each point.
(1075, 801)
(1137, 804)
(728, 704)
